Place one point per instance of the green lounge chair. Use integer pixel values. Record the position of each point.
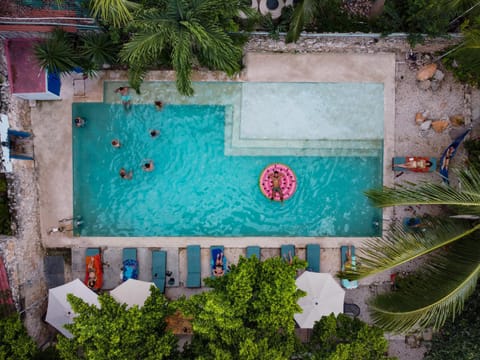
(194, 266)
(287, 252)
(313, 257)
(253, 251)
(159, 268)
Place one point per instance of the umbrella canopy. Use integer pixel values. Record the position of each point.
(324, 296)
(59, 311)
(132, 292)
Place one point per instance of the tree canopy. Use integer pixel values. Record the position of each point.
(249, 312)
(115, 332)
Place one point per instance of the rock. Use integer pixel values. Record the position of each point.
(426, 125)
(434, 85)
(439, 75)
(420, 118)
(427, 334)
(440, 125)
(426, 72)
(457, 120)
(424, 85)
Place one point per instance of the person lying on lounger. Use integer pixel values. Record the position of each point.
(415, 164)
(218, 270)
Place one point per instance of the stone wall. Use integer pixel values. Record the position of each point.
(23, 253)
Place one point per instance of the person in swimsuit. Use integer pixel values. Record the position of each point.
(446, 159)
(218, 270)
(80, 122)
(276, 178)
(116, 143)
(92, 274)
(148, 166)
(415, 164)
(124, 92)
(158, 105)
(126, 175)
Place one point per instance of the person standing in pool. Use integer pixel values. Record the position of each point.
(80, 122)
(126, 175)
(124, 92)
(276, 179)
(148, 166)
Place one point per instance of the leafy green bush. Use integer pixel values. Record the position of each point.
(14, 340)
(346, 338)
(5, 217)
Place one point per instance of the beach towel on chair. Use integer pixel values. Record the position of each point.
(130, 269)
(94, 272)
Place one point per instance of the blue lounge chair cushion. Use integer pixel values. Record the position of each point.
(313, 257)
(253, 251)
(129, 254)
(159, 268)
(287, 252)
(92, 251)
(194, 266)
(347, 284)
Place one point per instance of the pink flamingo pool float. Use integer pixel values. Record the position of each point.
(288, 181)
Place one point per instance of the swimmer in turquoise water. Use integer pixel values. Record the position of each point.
(124, 92)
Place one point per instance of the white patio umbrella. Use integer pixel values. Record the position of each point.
(59, 311)
(132, 292)
(324, 296)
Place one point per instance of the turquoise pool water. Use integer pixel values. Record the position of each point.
(196, 189)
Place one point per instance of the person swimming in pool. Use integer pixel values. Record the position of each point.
(126, 175)
(276, 179)
(124, 92)
(80, 122)
(148, 166)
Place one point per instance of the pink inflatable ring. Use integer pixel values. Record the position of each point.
(286, 179)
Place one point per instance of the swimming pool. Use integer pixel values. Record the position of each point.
(198, 188)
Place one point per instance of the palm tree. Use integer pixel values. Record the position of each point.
(185, 34)
(56, 54)
(118, 13)
(447, 247)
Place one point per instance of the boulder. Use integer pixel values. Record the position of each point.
(426, 72)
(440, 125)
(434, 85)
(424, 85)
(420, 118)
(426, 125)
(439, 75)
(457, 120)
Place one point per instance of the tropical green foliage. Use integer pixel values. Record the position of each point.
(449, 273)
(63, 52)
(459, 339)
(14, 340)
(185, 34)
(248, 314)
(115, 332)
(345, 338)
(115, 12)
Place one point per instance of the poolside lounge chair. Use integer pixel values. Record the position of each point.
(159, 268)
(414, 163)
(253, 251)
(217, 253)
(130, 264)
(313, 257)
(93, 269)
(348, 260)
(194, 266)
(287, 252)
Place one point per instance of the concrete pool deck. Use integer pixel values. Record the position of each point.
(52, 126)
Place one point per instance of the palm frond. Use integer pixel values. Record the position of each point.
(115, 12)
(181, 61)
(56, 54)
(431, 297)
(467, 199)
(400, 246)
(144, 48)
